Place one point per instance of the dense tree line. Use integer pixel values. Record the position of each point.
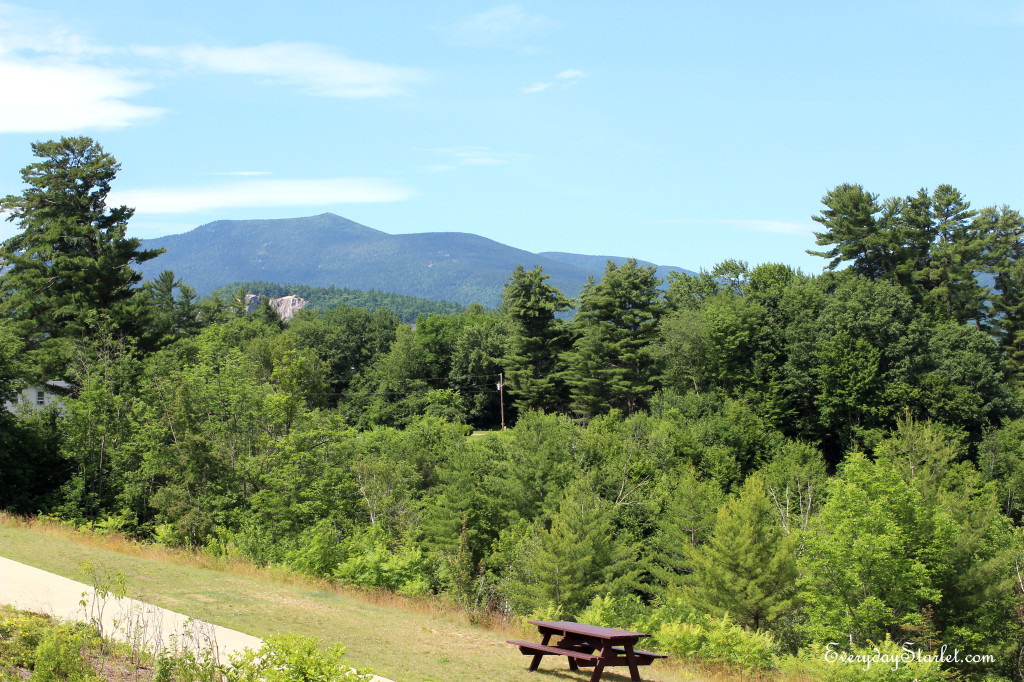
(833, 458)
(406, 308)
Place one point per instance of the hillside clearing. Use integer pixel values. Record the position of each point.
(401, 639)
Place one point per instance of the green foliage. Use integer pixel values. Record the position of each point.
(533, 362)
(718, 640)
(686, 521)
(866, 565)
(747, 568)
(70, 266)
(623, 612)
(20, 635)
(58, 657)
(580, 555)
(367, 560)
(404, 308)
(293, 658)
(610, 365)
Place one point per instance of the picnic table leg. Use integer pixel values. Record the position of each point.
(606, 652)
(537, 657)
(634, 674)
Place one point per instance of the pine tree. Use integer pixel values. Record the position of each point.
(686, 521)
(533, 364)
(747, 568)
(951, 291)
(611, 364)
(580, 556)
(70, 267)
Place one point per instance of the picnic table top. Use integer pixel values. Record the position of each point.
(595, 631)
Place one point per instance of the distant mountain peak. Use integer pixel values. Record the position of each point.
(328, 249)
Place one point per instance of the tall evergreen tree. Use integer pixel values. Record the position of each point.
(951, 291)
(71, 263)
(852, 230)
(610, 365)
(747, 568)
(533, 363)
(1005, 261)
(581, 555)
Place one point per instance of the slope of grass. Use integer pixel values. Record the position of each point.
(403, 639)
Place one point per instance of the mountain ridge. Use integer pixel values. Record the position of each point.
(328, 249)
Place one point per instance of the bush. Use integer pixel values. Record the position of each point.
(626, 612)
(59, 657)
(292, 658)
(718, 640)
(370, 563)
(20, 634)
(317, 551)
(884, 662)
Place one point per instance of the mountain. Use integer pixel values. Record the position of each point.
(327, 250)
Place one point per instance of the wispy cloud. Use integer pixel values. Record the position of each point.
(770, 226)
(263, 193)
(51, 82)
(563, 79)
(59, 95)
(57, 80)
(315, 69)
(470, 156)
(244, 173)
(503, 26)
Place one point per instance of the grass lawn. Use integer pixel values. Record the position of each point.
(405, 640)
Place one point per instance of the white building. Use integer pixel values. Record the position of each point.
(39, 396)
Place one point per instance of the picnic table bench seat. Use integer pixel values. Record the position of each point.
(642, 657)
(583, 657)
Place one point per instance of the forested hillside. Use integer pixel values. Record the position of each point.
(330, 251)
(406, 308)
(756, 465)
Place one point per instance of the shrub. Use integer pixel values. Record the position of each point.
(292, 658)
(20, 634)
(59, 657)
(370, 563)
(884, 662)
(626, 612)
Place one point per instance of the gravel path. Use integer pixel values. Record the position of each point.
(33, 589)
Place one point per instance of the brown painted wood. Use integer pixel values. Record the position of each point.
(533, 648)
(579, 641)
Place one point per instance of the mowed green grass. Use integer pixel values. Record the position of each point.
(404, 640)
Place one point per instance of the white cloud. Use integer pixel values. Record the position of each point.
(245, 173)
(770, 226)
(537, 87)
(504, 26)
(59, 95)
(262, 193)
(564, 79)
(50, 85)
(316, 69)
(55, 80)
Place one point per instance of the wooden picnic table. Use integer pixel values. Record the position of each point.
(578, 642)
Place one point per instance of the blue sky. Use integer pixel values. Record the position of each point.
(677, 132)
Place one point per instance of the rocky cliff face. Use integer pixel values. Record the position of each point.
(285, 306)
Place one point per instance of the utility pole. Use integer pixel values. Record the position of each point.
(501, 397)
